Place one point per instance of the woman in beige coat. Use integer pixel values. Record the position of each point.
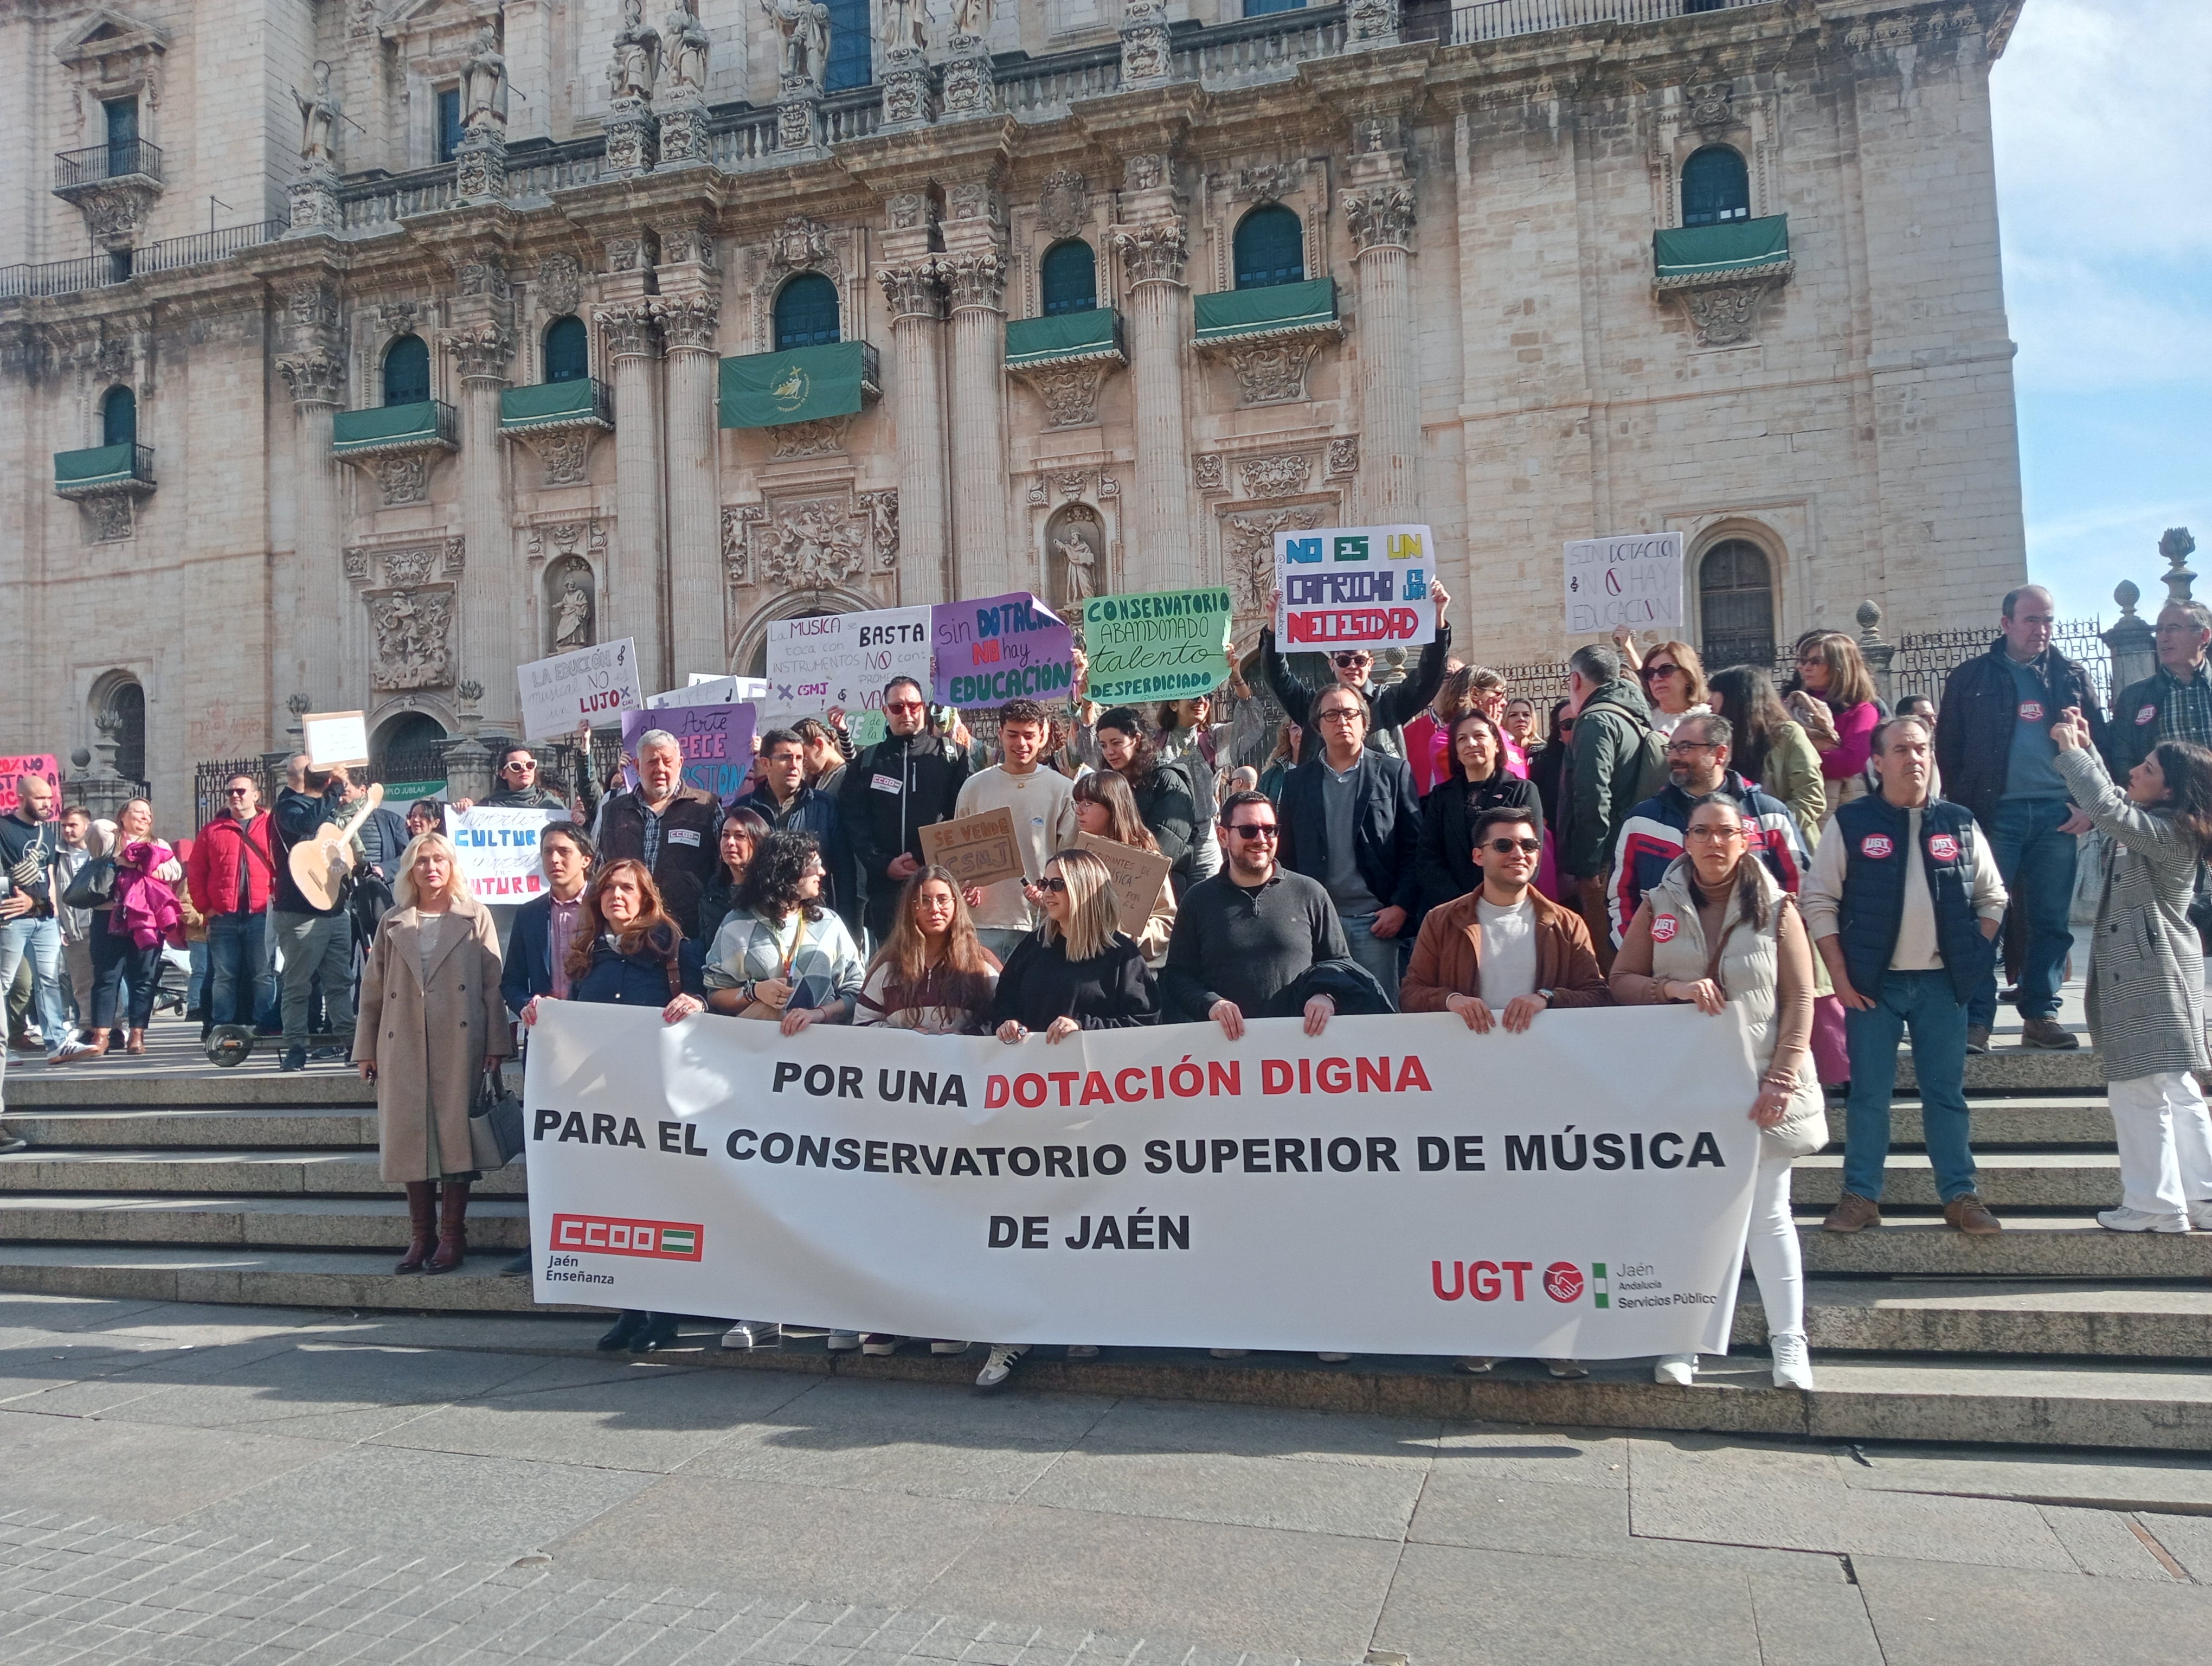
(431, 1024)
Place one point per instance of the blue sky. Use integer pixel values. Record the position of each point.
(2105, 199)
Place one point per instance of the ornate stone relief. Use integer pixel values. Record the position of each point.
(1153, 253)
(414, 633)
(481, 351)
(110, 519)
(1268, 182)
(914, 291)
(1070, 391)
(1275, 477)
(627, 328)
(1206, 471)
(1381, 216)
(565, 454)
(906, 88)
(1109, 486)
(974, 200)
(882, 510)
(909, 211)
(559, 284)
(1343, 457)
(813, 545)
(313, 378)
(356, 563)
(1710, 107)
(1371, 20)
(630, 252)
(1727, 314)
(405, 478)
(1146, 171)
(687, 243)
(691, 321)
(1037, 495)
(407, 567)
(1249, 542)
(823, 436)
(800, 244)
(1063, 203)
(1145, 53)
(1272, 372)
(737, 523)
(975, 280)
(1072, 483)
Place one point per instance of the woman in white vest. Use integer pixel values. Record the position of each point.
(1716, 930)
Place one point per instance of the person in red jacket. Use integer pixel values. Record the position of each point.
(229, 871)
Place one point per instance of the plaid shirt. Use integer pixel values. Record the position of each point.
(652, 833)
(2188, 710)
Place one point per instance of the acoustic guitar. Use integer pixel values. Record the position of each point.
(321, 862)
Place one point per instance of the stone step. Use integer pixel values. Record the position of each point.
(281, 1172)
(278, 1222)
(2028, 1121)
(1957, 1317)
(281, 1277)
(2030, 1247)
(202, 1129)
(2076, 1180)
(2008, 1067)
(85, 1086)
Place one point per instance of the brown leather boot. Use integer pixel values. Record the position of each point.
(1852, 1213)
(452, 1227)
(421, 1225)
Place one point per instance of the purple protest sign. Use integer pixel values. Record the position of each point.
(717, 743)
(1001, 648)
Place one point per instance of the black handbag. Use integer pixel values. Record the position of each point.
(93, 887)
(494, 1125)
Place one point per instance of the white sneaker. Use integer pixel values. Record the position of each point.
(944, 1347)
(2200, 1216)
(1566, 1368)
(842, 1341)
(1332, 1358)
(2139, 1221)
(1083, 1350)
(1793, 1365)
(1679, 1369)
(1000, 1365)
(1229, 1353)
(748, 1333)
(1475, 1364)
(880, 1345)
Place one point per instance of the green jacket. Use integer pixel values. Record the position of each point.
(1792, 773)
(1611, 770)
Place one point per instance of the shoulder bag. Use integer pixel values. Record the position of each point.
(494, 1125)
(93, 887)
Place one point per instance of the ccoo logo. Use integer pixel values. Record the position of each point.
(1563, 1281)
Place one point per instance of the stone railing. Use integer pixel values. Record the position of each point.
(387, 200)
(1043, 88)
(1501, 20)
(1257, 49)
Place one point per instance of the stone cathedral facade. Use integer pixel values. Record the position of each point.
(354, 351)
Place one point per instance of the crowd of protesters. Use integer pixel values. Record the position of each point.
(1669, 834)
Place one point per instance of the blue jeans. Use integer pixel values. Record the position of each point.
(2036, 861)
(41, 940)
(1924, 1004)
(240, 983)
(1380, 955)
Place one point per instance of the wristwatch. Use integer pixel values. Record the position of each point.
(1547, 994)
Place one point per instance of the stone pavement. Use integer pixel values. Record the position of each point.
(225, 1485)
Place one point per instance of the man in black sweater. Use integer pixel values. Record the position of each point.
(1250, 932)
(904, 783)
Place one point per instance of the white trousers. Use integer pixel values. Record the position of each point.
(1775, 1260)
(2164, 1138)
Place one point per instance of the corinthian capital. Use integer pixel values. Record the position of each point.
(627, 328)
(915, 290)
(1152, 253)
(1381, 216)
(691, 323)
(975, 280)
(315, 377)
(480, 351)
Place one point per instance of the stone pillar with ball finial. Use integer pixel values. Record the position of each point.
(1873, 650)
(2133, 642)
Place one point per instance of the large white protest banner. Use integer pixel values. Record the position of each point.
(498, 850)
(1635, 580)
(588, 684)
(840, 661)
(1355, 587)
(1395, 1185)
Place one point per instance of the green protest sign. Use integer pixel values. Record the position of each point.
(1159, 645)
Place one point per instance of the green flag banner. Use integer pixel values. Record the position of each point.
(1159, 645)
(766, 390)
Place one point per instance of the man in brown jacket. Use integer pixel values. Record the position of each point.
(1502, 953)
(674, 829)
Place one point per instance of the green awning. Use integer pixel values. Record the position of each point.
(1278, 308)
(102, 465)
(391, 427)
(798, 385)
(1065, 337)
(554, 404)
(1741, 247)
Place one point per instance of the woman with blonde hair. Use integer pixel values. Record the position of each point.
(431, 1024)
(1673, 679)
(141, 912)
(1105, 809)
(1832, 695)
(933, 974)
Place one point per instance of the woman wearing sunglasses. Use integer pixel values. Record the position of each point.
(1674, 680)
(1717, 929)
(1832, 695)
(1105, 810)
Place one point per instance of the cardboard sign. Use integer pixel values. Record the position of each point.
(709, 691)
(336, 740)
(840, 661)
(45, 765)
(1137, 876)
(1001, 648)
(717, 742)
(1635, 582)
(589, 684)
(498, 850)
(1162, 645)
(1355, 587)
(979, 850)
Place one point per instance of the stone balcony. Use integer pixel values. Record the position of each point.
(551, 407)
(125, 470)
(383, 430)
(829, 383)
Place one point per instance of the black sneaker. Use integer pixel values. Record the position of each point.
(295, 1058)
(326, 1055)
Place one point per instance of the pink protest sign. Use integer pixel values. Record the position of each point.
(45, 765)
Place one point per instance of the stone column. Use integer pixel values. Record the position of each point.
(1381, 220)
(699, 636)
(636, 602)
(491, 611)
(2133, 642)
(916, 303)
(1162, 553)
(316, 378)
(976, 283)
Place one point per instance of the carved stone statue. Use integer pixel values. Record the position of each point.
(320, 111)
(971, 17)
(484, 87)
(1078, 572)
(805, 27)
(684, 42)
(572, 618)
(905, 23)
(632, 69)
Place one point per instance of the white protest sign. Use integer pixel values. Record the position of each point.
(498, 850)
(840, 661)
(1423, 1176)
(335, 740)
(1635, 580)
(709, 691)
(1355, 587)
(591, 684)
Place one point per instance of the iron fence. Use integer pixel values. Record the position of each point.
(1925, 658)
(119, 159)
(209, 776)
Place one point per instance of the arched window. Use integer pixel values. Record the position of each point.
(406, 372)
(118, 417)
(849, 30)
(410, 748)
(1716, 187)
(1735, 604)
(806, 312)
(1270, 248)
(1068, 275)
(568, 350)
(125, 707)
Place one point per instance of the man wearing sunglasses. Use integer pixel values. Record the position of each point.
(1388, 709)
(906, 782)
(231, 872)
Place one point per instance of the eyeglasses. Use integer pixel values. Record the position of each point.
(1348, 660)
(1053, 883)
(1652, 672)
(1715, 835)
(238, 792)
(521, 769)
(1684, 748)
(1249, 831)
(1507, 847)
(902, 705)
(1339, 715)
